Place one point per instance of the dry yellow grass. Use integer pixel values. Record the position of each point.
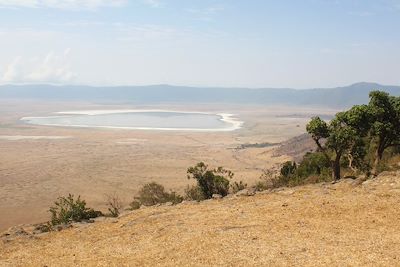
(316, 225)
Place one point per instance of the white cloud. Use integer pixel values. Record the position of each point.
(52, 68)
(62, 4)
(13, 71)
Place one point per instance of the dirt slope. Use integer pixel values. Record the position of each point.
(332, 225)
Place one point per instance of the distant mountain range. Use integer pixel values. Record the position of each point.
(333, 97)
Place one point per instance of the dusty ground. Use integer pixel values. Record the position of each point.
(96, 162)
(315, 225)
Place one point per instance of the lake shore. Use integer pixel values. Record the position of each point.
(227, 118)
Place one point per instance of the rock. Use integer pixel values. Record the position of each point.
(366, 182)
(287, 192)
(16, 231)
(100, 219)
(42, 228)
(275, 190)
(246, 192)
(168, 204)
(216, 196)
(61, 227)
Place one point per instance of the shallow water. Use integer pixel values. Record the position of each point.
(158, 120)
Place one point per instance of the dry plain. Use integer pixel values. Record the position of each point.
(39, 163)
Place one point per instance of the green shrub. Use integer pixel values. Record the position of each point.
(210, 181)
(67, 210)
(313, 164)
(134, 205)
(288, 169)
(153, 193)
(194, 192)
(236, 187)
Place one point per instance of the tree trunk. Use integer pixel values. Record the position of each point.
(336, 168)
(378, 157)
(351, 159)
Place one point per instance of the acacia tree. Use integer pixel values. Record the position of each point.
(359, 119)
(333, 140)
(385, 123)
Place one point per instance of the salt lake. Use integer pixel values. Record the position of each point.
(141, 120)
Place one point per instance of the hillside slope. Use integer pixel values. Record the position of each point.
(325, 224)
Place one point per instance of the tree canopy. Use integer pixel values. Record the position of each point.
(347, 134)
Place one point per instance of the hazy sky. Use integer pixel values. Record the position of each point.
(251, 43)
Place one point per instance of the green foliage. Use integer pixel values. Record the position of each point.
(236, 187)
(153, 193)
(384, 111)
(351, 134)
(210, 181)
(313, 168)
(342, 136)
(358, 117)
(317, 128)
(346, 142)
(313, 164)
(67, 210)
(194, 192)
(288, 168)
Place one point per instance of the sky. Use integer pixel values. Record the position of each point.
(229, 43)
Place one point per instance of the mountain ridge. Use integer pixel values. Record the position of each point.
(338, 97)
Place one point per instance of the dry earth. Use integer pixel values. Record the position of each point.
(341, 224)
(35, 170)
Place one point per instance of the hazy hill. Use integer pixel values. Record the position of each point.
(332, 97)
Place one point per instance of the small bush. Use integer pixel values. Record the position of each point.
(314, 168)
(236, 187)
(114, 205)
(153, 193)
(288, 168)
(313, 164)
(134, 205)
(67, 210)
(194, 192)
(267, 180)
(210, 182)
(261, 186)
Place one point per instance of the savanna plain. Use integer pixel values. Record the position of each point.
(40, 163)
